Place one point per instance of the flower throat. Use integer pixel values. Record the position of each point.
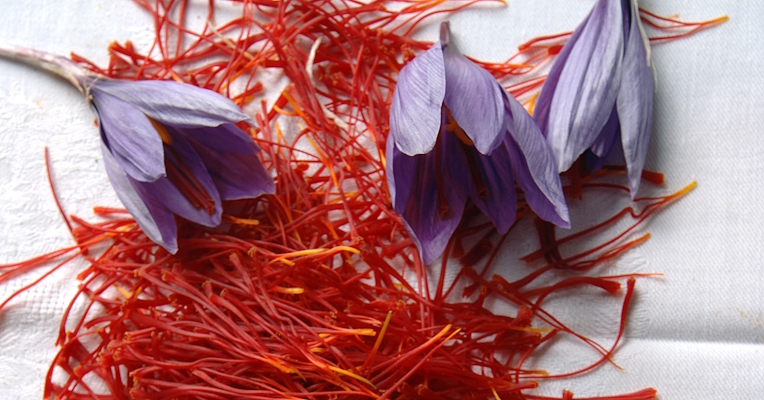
(180, 175)
(452, 126)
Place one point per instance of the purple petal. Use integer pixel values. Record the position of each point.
(533, 165)
(401, 177)
(172, 103)
(544, 101)
(166, 191)
(635, 102)
(588, 84)
(226, 138)
(604, 142)
(613, 156)
(236, 176)
(486, 179)
(475, 99)
(130, 137)
(418, 96)
(421, 213)
(391, 152)
(156, 221)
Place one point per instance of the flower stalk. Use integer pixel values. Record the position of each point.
(54, 64)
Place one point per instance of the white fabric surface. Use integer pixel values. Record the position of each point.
(696, 333)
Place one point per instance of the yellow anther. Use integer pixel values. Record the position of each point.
(166, 138)
(452, 126)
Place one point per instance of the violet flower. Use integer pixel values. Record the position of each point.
(169, 148)
(599, 91)
(456, 134)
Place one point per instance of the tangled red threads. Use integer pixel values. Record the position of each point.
(317, 292)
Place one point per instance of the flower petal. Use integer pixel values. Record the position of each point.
(475, 99)
(421, 213)
(226, 138)
(594, 163)
(172, 103)
(156, 221)
(418, 96)
(130, 137)
(533, 166)
(588, 84)
(544, 101)
(604, 142)
(391, 152)
(486, 179)
(635, 102)
(236, 175)
(165, 191)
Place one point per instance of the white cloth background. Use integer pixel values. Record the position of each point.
(696, 333)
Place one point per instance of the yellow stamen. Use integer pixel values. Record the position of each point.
(378, 343)
(294, 290)
(452, 126)
(124, 292)
(240, 221)
(530, 105)
(284, 257)
(166, 138)
(175, 77)
(352, 375)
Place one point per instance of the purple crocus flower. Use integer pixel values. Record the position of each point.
(169, 148)
(456, 134)
(599, 91)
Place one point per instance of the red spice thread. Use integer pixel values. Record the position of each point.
(315, 292)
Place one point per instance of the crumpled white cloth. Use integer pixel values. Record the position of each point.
(695, 333)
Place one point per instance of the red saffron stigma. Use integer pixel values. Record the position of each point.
(317, 291)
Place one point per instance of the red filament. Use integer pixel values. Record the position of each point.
(317, 291)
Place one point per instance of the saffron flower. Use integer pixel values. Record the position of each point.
(599, 91)
(169, 148)
(456, 134)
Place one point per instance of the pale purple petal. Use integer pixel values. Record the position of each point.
(236, 175)
(635, 102)
(544, 101)
(418, 97)
(173, 103)
(475, 99)
(166, 191)
(588, 84)
(156, 221)
(533, 165)
(130, 137)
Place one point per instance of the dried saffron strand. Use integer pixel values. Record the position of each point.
(234, 307)
(234, 297)
(245, 308)
(674, 24)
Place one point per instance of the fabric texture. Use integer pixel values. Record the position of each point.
(696, 332)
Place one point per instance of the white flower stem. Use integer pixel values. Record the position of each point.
(61, 66)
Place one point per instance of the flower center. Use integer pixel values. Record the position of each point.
(453, 127)
(442, 203)
(181, 176)
(457, 130)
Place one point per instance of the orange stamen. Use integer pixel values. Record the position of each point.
(457, 130)
(182, 177)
